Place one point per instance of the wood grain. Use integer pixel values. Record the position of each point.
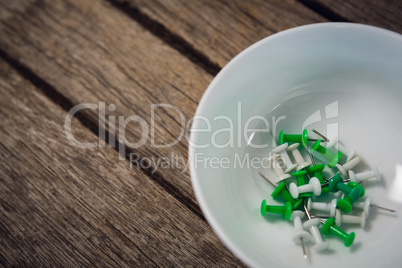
(89, 52)
(88, 56)
(61, 205)
(382, 13)
(220, 29)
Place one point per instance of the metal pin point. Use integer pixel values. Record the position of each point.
(352, 177)
(327, 183)
(366, 205)
(378, 207)
(311, 156)
(304, 249)
(299, 233)
(330, 145)
(306, 210)
(343, 169)
(319, 134)
(270, 182)
(311, 224)
(314, 216)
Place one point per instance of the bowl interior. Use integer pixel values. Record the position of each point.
(338, 78)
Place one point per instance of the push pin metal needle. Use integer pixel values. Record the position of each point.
(344, 169)
(383, 208)
(331, 144)
(270, 182)
(304, 248)
(299, 233)
(311, 224)
(311, 156)
(282, 191)
(366, 205)
(319, 134)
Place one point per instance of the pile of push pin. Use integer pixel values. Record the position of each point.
(302, 199)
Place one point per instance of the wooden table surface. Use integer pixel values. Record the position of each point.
(113, 204)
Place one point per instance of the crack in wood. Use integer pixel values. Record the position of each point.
(87, 120)
(324, 11)
(172, 39)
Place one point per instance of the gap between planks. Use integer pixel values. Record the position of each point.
(175, 41)
(160, 31)
(52, 212)
(324, 11)
(80, 79)
(52, 94)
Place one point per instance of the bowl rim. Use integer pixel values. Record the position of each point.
(219, 230)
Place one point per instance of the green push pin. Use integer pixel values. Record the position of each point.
(351, 198)
(330, 227)
(300, 181)
(285, 210)
(284, 193)
(298, 138)
(281, 191)
(336, 184)
(316, 171)
(353, 184)
(332, 157)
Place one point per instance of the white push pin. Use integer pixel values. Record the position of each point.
(313, 186)
(363, 176)
(280, 175)
(301, 163)
(299, 235)
(322, 206)
(341, 218)
(281, 150)
(343, 169)
(311, 225)
(352, 155)
(365, 205)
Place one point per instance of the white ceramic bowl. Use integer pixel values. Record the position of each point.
(335, 77)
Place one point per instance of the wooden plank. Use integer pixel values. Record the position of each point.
(220, 29)
(89, 52)
(385, 14)
(61, 205)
